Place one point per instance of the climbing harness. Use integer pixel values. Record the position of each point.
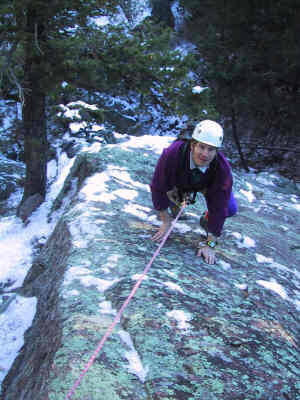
(178, 197)
(119, 314)
(189, 197)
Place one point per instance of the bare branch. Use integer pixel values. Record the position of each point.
(36, 40)
(257, 146)
(20, 89)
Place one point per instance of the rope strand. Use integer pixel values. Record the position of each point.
(119, 314)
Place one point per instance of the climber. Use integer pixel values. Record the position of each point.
(190, 166)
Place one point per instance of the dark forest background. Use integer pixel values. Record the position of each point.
(245, 53)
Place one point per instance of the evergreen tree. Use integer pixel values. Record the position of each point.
(249, 58)
(43, 35)
(44, 46)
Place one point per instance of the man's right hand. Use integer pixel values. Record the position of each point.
(161, 231)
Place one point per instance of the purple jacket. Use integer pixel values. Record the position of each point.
(217, 182)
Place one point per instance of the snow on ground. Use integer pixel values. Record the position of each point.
(181, 317)
(135, 365)
(16, 247)
(14, 322)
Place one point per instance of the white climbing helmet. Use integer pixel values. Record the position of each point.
(208, 132)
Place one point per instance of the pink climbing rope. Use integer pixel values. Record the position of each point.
(119, 314)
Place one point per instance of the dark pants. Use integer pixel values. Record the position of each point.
(232, 207)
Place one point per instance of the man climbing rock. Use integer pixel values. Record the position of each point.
(187, 167)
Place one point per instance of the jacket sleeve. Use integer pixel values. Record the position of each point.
(218, 197)
(217, 211)
(164, 177)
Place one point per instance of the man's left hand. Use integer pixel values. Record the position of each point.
(207, 253)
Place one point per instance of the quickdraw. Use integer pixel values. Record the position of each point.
(187, 197)
(190, 197)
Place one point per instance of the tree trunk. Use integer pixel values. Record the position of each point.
(35, 143)
(34, 111)
(237, 140)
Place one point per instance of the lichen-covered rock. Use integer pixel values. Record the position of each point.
(228, 331)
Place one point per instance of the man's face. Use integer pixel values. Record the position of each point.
(203, 154)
